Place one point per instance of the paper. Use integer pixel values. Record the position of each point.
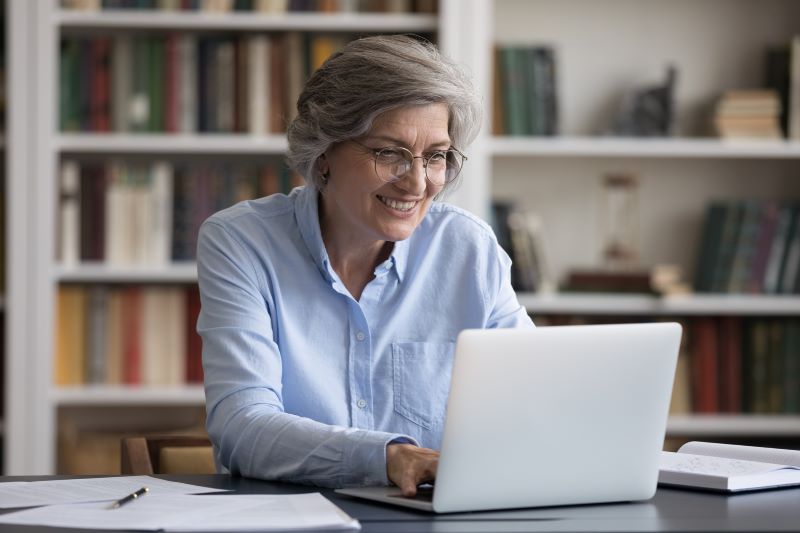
(178, 512)
(713, 466)
(31, 493)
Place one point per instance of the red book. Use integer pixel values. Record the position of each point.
(704, 363)
(100, 108)
(730, 364)
(194, 345)
(132, 336)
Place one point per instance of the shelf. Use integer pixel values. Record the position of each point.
(622, 147)
(332, 22)
(103, 273)
(112, 143)
(699, 426)
(636, 304)
(101, 395)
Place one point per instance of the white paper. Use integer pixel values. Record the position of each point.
(31, 493)
(177, 512)
(747, 453)
(713, 466)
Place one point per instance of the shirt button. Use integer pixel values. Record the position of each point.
(361, 403)
(360, 336)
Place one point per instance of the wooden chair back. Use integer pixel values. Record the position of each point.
(169, 454)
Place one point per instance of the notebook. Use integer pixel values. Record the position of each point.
(551, 416)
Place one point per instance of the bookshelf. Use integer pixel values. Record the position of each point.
(41, 408)
(628, 44)
(715, 45)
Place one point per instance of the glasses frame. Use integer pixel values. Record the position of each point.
(425, 159)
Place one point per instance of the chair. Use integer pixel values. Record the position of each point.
(171, 454)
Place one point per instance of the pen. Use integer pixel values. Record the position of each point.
(129, 498)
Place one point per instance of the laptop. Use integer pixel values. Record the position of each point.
(551, 416)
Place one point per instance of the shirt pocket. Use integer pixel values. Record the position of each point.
(421, 377)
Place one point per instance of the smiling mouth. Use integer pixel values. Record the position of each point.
(395, 204)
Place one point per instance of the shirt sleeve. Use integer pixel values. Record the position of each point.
(251, 433)
(506, 311)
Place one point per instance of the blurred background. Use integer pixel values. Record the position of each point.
(639, 161)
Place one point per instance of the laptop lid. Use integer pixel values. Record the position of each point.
(552, 416)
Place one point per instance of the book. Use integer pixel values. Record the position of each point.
(729, 468)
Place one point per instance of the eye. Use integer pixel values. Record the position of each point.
(390, 156)
(437, 158)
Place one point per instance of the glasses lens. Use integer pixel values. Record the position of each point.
(391, 164)
(454, 163)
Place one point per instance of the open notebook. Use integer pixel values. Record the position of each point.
(729, 467)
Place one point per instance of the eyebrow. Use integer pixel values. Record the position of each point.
(437, 145)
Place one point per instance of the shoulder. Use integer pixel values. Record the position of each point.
(457, 222)
(253, 218)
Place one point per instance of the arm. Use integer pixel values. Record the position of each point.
(252, 434)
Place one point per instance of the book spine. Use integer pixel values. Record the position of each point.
(70, 252)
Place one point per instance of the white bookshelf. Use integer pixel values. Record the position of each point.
(249, 21)
(105, 273)
(722, 426)
(644, 305)
(105, 395)
(602, 48)
(674, 148)
(116, 143)
(553, 175)
(32, 428)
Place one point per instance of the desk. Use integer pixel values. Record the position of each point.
(669, 510)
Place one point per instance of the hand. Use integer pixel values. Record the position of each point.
(407, 466)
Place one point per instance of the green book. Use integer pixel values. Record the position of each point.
(514, 91)
(69, 101)
(746, 246)
(709, 247)
(791, 366)
(157, 84)
(727, 247)
(140, 105)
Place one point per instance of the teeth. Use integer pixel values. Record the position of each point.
(394, 204)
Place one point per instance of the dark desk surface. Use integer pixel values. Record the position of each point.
(669, 510)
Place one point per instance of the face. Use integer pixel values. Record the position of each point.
(356, 203)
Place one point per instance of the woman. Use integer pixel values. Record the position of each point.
(329, 315)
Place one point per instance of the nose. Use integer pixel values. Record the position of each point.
(414, 181)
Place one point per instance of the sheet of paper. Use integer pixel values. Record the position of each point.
(177, 512)
(714, 466)
(31, 493)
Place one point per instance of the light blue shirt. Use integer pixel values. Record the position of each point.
(304, 383)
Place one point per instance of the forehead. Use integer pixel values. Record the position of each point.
(429, 120)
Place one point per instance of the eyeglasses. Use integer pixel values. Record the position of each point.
(394, 162)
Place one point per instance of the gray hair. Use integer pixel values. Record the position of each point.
(367, 78)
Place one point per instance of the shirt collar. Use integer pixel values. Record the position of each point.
(307, 215)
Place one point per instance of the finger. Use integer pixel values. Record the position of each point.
(408, 484)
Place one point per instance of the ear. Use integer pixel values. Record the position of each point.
(322, 165)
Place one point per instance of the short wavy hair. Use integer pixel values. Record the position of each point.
(367, 78)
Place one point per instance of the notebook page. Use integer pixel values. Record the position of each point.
(748, 453)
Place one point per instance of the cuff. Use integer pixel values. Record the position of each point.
(368, 458)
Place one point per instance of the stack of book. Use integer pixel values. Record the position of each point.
(520, 234)
(748, 115)
(744, 365)
(750, 246)
(525, 100)
(149, 214)
(182, 83)
(129, 335)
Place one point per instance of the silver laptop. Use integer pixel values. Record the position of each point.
(551, 416)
